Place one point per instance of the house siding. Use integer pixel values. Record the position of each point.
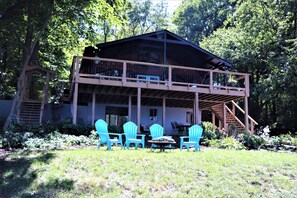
(84, 115)
(5, 106)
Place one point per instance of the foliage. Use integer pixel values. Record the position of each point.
(227, 143)
(36, 129)
(144, 17)
(260, 39)
(262, 140)
(253, 141)
(40, 130)
(115, 129)
(45, 33)
(196, 19)
(286, 139)
(208, 134)
(22, 135)
(77, 130)
(52, 140)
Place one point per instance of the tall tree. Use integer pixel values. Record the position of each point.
(256, 38)
(196, 19)
(143, 17)
(32, 27)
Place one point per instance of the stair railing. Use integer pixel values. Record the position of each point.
(252, 122)
(234, 116)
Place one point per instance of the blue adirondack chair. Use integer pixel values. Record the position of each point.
(130, 131)
(156, 131)
(104, 136)
(195, 133)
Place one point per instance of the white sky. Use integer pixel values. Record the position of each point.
(172, 4)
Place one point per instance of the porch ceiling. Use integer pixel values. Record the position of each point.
(149, 97)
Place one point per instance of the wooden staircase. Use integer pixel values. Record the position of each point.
(30, 112)
(231, 116)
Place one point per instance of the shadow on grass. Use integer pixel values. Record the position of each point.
(16, 175)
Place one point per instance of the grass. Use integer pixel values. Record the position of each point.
(141, 173)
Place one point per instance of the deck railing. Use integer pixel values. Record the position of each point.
(151, 73)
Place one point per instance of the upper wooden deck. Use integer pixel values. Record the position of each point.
(213, 86)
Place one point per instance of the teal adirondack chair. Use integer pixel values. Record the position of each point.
(156, 131)
(195, 133)
(104, 136)
(130, 131)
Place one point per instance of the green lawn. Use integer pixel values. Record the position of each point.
(141, 173)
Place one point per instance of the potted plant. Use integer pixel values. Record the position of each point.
(232, 82)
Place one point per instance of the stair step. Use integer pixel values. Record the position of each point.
(230, 119)
(30, 112)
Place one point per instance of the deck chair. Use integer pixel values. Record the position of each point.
(130, 132)
(104, 136)
(156, 131)
(195, 133)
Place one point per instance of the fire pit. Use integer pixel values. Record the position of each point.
(162, 143)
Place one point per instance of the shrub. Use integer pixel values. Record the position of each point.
(54, 140)
(287, 139)
(14, 139)
(207, 134)
(207, 126)
(253, 141)
(115, 129)
(41, 130)
(77, 130)
(36, 129)
(227, 143)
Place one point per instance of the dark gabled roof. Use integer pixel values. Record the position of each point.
(169, 37)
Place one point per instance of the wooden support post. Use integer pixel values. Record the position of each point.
(213, 120)
(246, 114)
(93, 108)
(169, 77)
(233, 109)
(129, 108)
(252, 127)
(75, 96)
(194, 113)
(164, 113)
(165, 50)
(220, 124)
(124, 78)
(211, 81)
(76, 69)
(247, 85)
(138, 107)
(224, 116)
(197, 117)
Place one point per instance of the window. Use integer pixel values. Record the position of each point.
(116, 115)
(189, 118)
(153, 114)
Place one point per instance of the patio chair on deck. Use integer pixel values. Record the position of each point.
(104, 136)
(157, 131)
(130, 131)
(195, 133)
